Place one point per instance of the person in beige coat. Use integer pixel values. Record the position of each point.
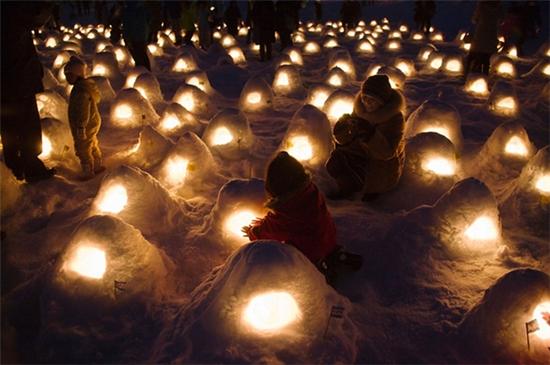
(369, 154)
(84, 117)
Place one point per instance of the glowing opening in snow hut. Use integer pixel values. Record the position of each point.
(454, 66)
(318, 98)
(331, 43)
(543, 184)
(542, 315)
(114, 199)
(46, 147)
(51, 42)
(395, 34)
(217, 34)
(299, 38)
(404, 67)
(335, 80)
(195, 81)
(365, 47)
(237, 55)
(439, 130)
(100, 70)
(176, 170)
(123, 111)
(512, 52)
(482, 229)
(180, 66)
(300, 148)
(237, 220)
(506, 69)
(438, 37)
(100, 47)
(546, 69)
(228, 41)
(478, 87)
(311, 48)
(350, 33)
(254, 98)
(393, 46)
(295, 57)
(187, 101)
(343, 65)
(271, 311)
(88, 261)
(440, 166)
(403, 29)
(417, 37)
(221, 136)
(436, 62)
(339, 108)
(515, 146)
(170, 122)
(506, 105)
(243, 31)
(154, 50)
(282, 79)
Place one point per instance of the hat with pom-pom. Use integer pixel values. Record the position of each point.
(377, 87)
(284, 175)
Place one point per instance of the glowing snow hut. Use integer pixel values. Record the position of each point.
(52, 105)
(425, 52)
(338, 103)
(503, 66)
(318, 95)
(436, 116)
(396, 77)
(176, 120)
(57, 143)
(131, 110)
(149, 87)
(287, 82)
(200, 80)
(503, 100)
(312, 48)
(337, 78)
(194, 100)
(477, 85)
(256, 95)
(105, 64)
(405, 65)
(150, 149)
(185, 63)
(229, 135)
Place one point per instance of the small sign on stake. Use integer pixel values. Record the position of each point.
(335, 312)
(530, 327)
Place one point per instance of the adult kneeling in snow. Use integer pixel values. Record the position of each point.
(299, 217)
(369, 154)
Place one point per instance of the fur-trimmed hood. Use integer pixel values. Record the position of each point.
(396, 104)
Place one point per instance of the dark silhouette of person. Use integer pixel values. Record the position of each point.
(154, 8)
(424, 11)
(173, 12)
(263, 27)
(188, 18)
(232, 17)
(99, 9)
(21, 80)
(135, 30)
(115, 20)
(318, 11)
(287, 15)
(350, 13)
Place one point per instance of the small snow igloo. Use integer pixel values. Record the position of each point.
(138, 199)
(229, 135)
(431, 159)
(436, 116)
(106, 91)
(312, 48)
(336, 77)
(364, 48)
(239, 202)
(510, 324)
(176, 121)
(288, 82)
(503, 100)
(405, 65)
(105, 64)
(132, 76)
(467, 220)
(318, 95)
(342, 60)
(309, 137)
(131, 110)
(256, 95)
(57, 143)
(477, 85)
(266, 302)
(195, 101)
(200, 80)
(425, 52)
(237, 55)
(150, 149)
(529, 200)
(505, 153)
(434, 62)
(338, 103)
(188, 167)
(396, 77)
(107, 262)
(185, 63)
(503, 66)
(149, 87)
(453, 65)
(52, 105)
(295, 55)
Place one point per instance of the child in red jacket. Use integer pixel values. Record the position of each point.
(299, 215)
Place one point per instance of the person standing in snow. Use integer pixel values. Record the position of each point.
(299, 217)
(424, 11)
(369, 154)
(486, 18)
(84, 117)
(205, 36)
(263, 27)
(21, 81)
(188, 17)
(136, 30)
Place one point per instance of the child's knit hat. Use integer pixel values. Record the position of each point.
(284, 175)
(377, 87)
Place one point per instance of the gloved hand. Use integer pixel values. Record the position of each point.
(81, 133)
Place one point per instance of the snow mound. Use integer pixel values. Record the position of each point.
(436, 116)
(10, 189)
(425, 52)
(105, 89)
(138, 199)
(52, 105)
(229, 135)
(132, 76)
(108, 262)
(195, 101)
(495, 329)
(287, 82)
(176, 121)
(150, 149)
(503, 100)
(341, 58)
(318, 95)
(185, 63)
(396, 76)
(267, 303)
(338, 103)
(105, 64)
(188, 167)
(502, 66)
(200, 80)
(467, 220)
(57, 143)
(529, 200)
(48, 79)
(336, 77)
(256, 95)
(504, 154)
(123, 57)
(309, 137)
(149, 87)
(131, 110)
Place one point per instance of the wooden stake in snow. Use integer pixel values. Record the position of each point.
(335, 312)
(531, 326)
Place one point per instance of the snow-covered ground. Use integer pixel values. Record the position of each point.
(145, 263)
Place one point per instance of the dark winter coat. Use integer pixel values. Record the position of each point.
(21, 69)
(375, 155)
(263, 22)
(301, 220)
(486, 18)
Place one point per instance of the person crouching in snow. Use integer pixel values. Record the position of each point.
(369, 154)
(84, 118)
(299, 216)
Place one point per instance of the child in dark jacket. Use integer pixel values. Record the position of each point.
(299, 215)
